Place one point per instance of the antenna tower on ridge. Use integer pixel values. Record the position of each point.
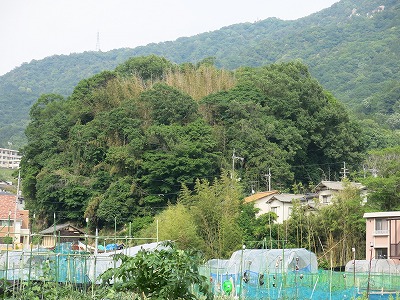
(98, 42)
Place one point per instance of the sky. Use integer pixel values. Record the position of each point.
(35, 29)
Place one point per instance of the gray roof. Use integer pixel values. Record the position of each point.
(382, 214)
(51, 229)
(5, 193)
(338, 185)
(287, 198)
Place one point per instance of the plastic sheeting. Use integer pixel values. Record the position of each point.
(266, 261)
(104, 261)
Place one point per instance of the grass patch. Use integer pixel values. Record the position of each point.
(9, 175)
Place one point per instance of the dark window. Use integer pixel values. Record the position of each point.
(381, 253)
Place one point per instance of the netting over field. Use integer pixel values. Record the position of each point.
(63, 264)
(252, 273)
(293, 274)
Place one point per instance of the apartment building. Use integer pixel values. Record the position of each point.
(9, 158)
(382, 235)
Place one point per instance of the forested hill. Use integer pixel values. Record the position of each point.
(125, 142)
(352, 48)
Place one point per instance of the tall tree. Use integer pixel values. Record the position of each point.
(216, 210)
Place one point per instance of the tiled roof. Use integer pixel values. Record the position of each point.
(259, 195)
(7, 206)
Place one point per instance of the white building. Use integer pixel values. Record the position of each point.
(327, 190)
(9, 158)
(273, 201)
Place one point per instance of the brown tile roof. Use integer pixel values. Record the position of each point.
(259, 195)
(7, 206)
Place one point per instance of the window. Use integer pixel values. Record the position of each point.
(5, 223)
(381, 253)
(381, 226)
(325, 199)
(274, 209)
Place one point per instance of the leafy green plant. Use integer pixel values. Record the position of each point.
(54, 291)
(7, 240)
(168, 273)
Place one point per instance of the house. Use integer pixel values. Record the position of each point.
(259, 200)
(273, 201)
(14, 221)
(382, 235)
(327, 190)
(9, 158)
(61, 234)
(281, 203)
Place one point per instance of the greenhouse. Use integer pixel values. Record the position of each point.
(380, 266)
(269, 261)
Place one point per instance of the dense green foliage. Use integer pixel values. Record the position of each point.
(384, 181)
(354, 57)
(122, 147)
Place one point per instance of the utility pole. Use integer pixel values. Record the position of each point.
(344, 171)
(16, 208)
(234, 157)
(374, 171)
(268, 177)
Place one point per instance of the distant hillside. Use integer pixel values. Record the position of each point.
(352, 48)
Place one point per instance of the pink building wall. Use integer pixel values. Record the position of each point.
(384, 237)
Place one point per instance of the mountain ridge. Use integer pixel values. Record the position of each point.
(327, 41)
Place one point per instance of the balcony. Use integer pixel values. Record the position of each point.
(381, 232)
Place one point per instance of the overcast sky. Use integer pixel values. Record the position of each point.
(35, 29)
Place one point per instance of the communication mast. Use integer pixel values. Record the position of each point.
(98, 42)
